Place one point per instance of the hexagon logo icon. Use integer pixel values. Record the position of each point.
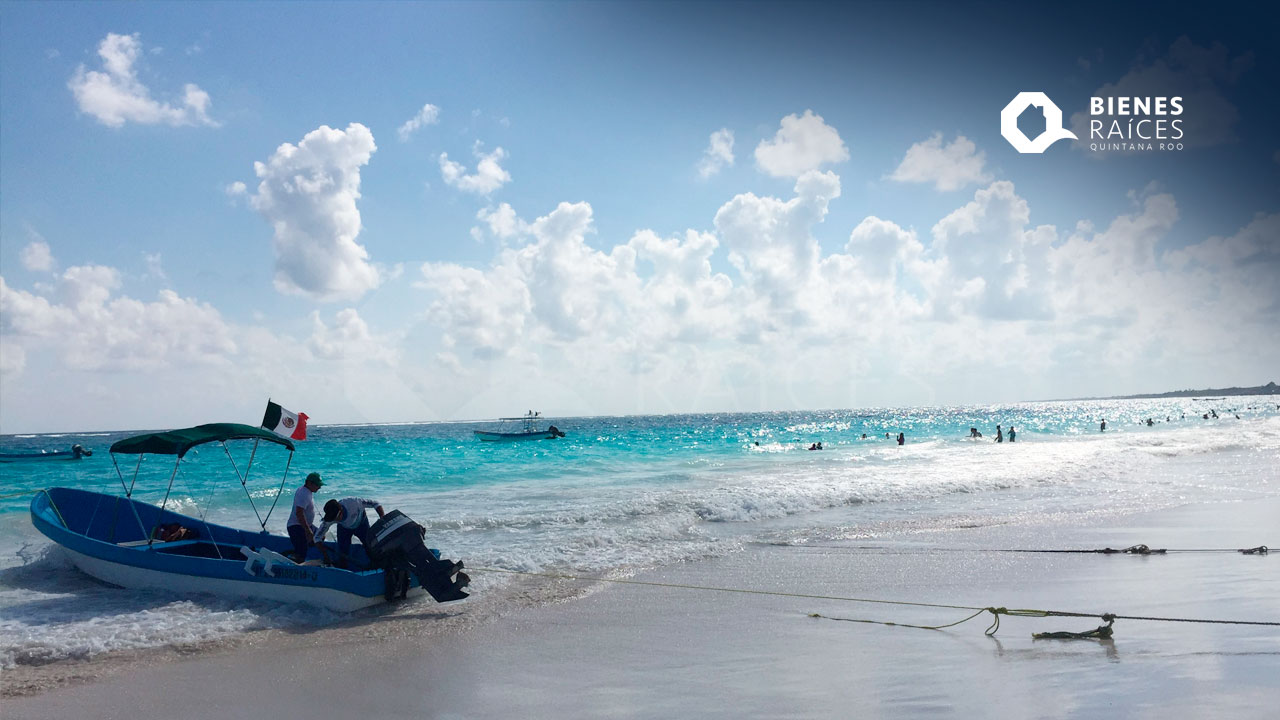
(1053, 130)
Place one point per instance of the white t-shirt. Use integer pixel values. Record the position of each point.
(304, 499)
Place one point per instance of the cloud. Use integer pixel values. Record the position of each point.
(350, 341)
(949, 167)
(801, 144)
(37, 257)
(92, 328)
(718, 154)
(116, 96)
(503, 222)
(881, 248)
(236, 189)
(484, 311)
(308, 194)
(771, 244)
(155, 267)
(428, 115)
(489, 175)
(1200, 76)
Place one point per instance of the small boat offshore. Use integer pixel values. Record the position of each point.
(75, 453)
(529, 430)
(134, 544)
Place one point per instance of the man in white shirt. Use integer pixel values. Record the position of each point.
(348, 514)
(302, 518)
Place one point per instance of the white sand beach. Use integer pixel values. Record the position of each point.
(643, 651)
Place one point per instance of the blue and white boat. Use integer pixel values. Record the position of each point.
(528, 431)
(75, 453)
(134, 544)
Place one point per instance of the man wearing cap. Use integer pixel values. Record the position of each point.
(348, 514)
(301, 526)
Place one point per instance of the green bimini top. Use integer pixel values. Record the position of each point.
(178, 442)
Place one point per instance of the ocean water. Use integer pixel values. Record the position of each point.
(623, 493)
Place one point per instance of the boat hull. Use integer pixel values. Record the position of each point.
(514, 437)
(141, 578)
(105, 537)
(26, 457)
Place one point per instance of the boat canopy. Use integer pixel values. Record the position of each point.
(178, 442)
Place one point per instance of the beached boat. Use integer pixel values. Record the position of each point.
(135, 544)
(528, 431)
(75, 453)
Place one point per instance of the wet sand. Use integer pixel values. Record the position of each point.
(643, 651)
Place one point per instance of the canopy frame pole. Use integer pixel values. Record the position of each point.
(243, 479)
(151, 536)
(209, 501)
(128, 493)
(284, 478)
(120, 475)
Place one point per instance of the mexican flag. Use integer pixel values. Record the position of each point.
(285, 423)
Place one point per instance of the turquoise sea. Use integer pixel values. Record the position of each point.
(623, 493)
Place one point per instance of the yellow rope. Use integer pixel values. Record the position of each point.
(16, 494)
(996, 612)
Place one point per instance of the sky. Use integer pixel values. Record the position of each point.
(394, 212)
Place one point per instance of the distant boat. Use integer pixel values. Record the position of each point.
(529, 430)
(75, 453)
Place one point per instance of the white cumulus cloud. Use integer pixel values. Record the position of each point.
(349, 340)
(503, 221)
(428, 115)
(89, 326)
(719, 153)
(489, 174)
(802, 143)
(952, 166)
(37, 256)
(308, 194)
(115, 95)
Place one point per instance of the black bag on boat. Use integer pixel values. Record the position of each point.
(395, 544)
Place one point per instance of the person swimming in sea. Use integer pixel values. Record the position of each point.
(1012, 434)
(999, 434)
(1103, 426)
(902, 439)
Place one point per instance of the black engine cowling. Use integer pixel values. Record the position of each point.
(396, 545)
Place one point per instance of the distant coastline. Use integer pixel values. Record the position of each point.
(1269, 389)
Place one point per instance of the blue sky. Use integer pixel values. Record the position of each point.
(570, 227)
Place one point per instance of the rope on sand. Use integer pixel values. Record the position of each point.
(1102, 632)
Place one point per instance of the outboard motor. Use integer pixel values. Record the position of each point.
(395, 544)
